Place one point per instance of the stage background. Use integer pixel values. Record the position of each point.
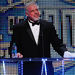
(60, 12)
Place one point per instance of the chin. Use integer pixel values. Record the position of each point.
(36, 19)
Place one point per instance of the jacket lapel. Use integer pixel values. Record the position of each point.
(29, 31)
(40, 34)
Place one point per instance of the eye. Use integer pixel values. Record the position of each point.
(32, 10)
(36, 9)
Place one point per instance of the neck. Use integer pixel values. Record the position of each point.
(32, 20)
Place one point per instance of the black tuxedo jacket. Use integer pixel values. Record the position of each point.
(23, 37)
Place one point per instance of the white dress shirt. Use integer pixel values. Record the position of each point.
(35, 30)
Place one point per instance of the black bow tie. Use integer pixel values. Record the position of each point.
(35, 23)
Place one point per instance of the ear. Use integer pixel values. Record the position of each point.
(26, 13)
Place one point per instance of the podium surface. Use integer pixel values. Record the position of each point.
(14, 66)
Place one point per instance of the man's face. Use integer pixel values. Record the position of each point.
(33, 12)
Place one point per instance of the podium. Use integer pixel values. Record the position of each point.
(14, 66)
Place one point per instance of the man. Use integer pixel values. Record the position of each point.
(34, 36)
(34, 41)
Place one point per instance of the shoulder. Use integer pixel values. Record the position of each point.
(20, 25)
(46, 23)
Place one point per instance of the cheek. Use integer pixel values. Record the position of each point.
(38, 12)
(31, 14)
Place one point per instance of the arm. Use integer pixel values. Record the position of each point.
(57, 43)
(14, 40)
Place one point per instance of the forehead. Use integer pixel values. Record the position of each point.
(32, 7)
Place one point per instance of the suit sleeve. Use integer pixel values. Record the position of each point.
(14, 38)
(57, 43)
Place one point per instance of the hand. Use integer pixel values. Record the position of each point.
(19, 55)
(68, 54)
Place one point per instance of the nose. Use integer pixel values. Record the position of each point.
(36, 11)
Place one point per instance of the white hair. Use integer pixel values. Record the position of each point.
(30, 3)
